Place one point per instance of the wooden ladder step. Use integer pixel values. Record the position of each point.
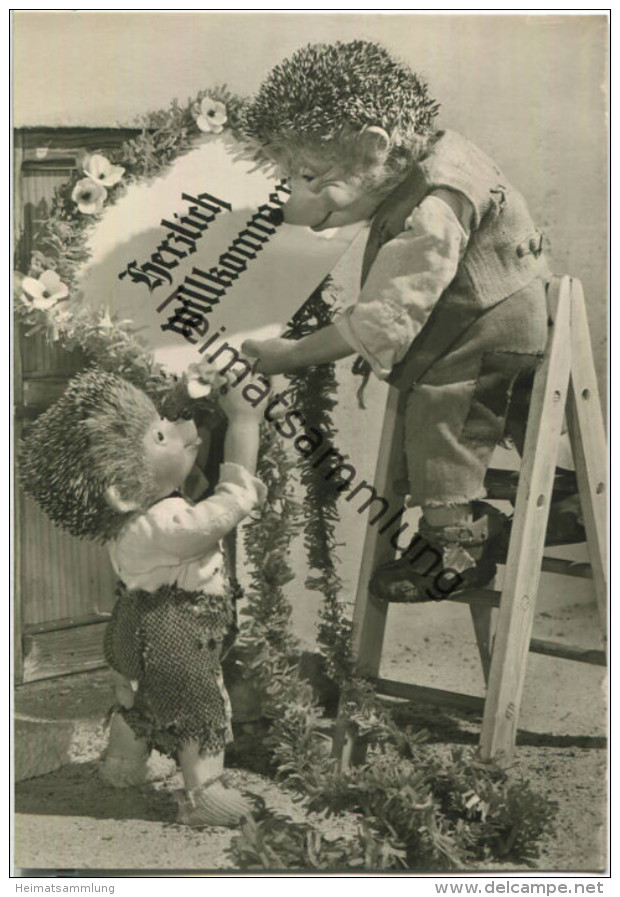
(491, 597)
(568, 652)
(479, 597)
(422, 694)
(567, 568)
(502, 485)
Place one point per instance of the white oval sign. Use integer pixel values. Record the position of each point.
(194, 258)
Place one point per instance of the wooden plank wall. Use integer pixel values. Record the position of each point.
(65, 587)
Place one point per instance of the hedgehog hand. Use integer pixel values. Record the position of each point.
(275, 356)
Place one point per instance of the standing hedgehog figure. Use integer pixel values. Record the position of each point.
(452, 309)
(104, 465)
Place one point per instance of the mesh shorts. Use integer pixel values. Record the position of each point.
(172, 641)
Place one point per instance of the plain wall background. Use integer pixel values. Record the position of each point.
(529, 89)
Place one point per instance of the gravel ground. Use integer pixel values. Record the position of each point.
(70, 820)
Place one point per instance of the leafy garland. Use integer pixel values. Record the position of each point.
(47, 301)
(314, 390)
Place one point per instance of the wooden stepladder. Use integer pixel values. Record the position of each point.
(564, 385)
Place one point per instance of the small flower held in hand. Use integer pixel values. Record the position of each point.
(89, 196)
(202, 379)
(102, 171)
(210, 115)
(44, 292)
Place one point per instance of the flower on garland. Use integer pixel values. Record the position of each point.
(44, 292)
(210, 115)
(89, 196)
(101, 170)
(106, 322)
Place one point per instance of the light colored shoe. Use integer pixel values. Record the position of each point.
(124, 772)
(214, 804)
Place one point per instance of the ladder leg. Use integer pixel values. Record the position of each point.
(587, 433)
(481, 618)
(370, 614)
(348, 749)
(523, 565)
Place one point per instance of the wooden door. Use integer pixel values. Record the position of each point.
(64, 586)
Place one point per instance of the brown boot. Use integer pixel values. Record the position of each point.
(441, 561)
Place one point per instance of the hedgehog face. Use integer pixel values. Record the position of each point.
(325, 198)
(170, 450)
(102, 452)
(346, 121)
(327, 192)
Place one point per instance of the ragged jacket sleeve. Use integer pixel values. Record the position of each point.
(176, 527)
(407, 279)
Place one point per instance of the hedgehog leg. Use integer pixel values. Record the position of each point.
(125, 762)
(207, 799)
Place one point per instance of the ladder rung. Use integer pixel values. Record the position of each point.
(481, 597)
(568, 652)
(567, 568)
(425, 695)
(502, 485)
(491, 597)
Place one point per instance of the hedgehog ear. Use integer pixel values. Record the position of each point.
(115, 500)
(374, 143)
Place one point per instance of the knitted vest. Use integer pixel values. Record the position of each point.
(504, 253)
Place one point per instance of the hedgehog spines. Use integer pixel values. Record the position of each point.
(89, 438)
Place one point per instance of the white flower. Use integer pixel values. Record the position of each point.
(202, 379)
(105, 321)
(44, 292)
(89, 196)
(102, 171)
(210, 115)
